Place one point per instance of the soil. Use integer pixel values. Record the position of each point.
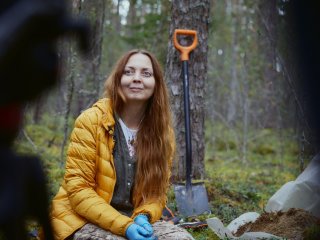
(293, 224)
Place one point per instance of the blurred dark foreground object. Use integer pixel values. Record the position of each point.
(303, 17)
(29, 30)
(22, 196)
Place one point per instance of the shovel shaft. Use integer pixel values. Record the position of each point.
(187, 124)
(185, 50)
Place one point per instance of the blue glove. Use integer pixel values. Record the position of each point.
(136, 232)
(142, 220)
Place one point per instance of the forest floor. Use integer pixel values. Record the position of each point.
(242, 181)
(239, 177)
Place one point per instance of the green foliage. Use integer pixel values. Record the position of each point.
(235, 185)
(171, 199)
(205, 234)
(148, 34)
(264, 149)
(45, 140)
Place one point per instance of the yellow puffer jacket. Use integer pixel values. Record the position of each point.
(90, 177)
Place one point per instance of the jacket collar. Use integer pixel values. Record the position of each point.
(108, 121)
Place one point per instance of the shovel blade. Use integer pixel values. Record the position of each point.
(192, 201)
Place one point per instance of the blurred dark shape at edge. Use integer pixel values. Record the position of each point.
(29, 30)
(304, 39)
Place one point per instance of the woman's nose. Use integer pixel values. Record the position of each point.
(137, 76)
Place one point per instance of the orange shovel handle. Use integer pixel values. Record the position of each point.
(185, 50)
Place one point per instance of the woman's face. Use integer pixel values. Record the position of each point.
(137, 81)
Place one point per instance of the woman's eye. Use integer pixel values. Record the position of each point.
(128, 72)
(146, 74)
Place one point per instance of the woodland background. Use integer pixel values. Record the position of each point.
(250, 133)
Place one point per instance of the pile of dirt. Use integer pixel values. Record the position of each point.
(292, 224)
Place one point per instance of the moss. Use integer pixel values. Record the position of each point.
(205, 234)
(264, 149)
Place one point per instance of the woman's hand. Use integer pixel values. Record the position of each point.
(136, 232)
(142, 220)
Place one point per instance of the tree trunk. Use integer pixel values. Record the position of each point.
(233, 98)
(89, 82)
(132, 17)
(189, 14)
(71, 83)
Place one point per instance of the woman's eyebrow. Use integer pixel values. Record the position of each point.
(148, 69)
(143, 68)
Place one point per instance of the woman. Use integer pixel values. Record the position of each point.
(119, 159)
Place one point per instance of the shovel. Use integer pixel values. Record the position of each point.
(191, 198)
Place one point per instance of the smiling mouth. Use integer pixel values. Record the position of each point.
(135, 89)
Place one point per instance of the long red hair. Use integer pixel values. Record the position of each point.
(154, 145)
